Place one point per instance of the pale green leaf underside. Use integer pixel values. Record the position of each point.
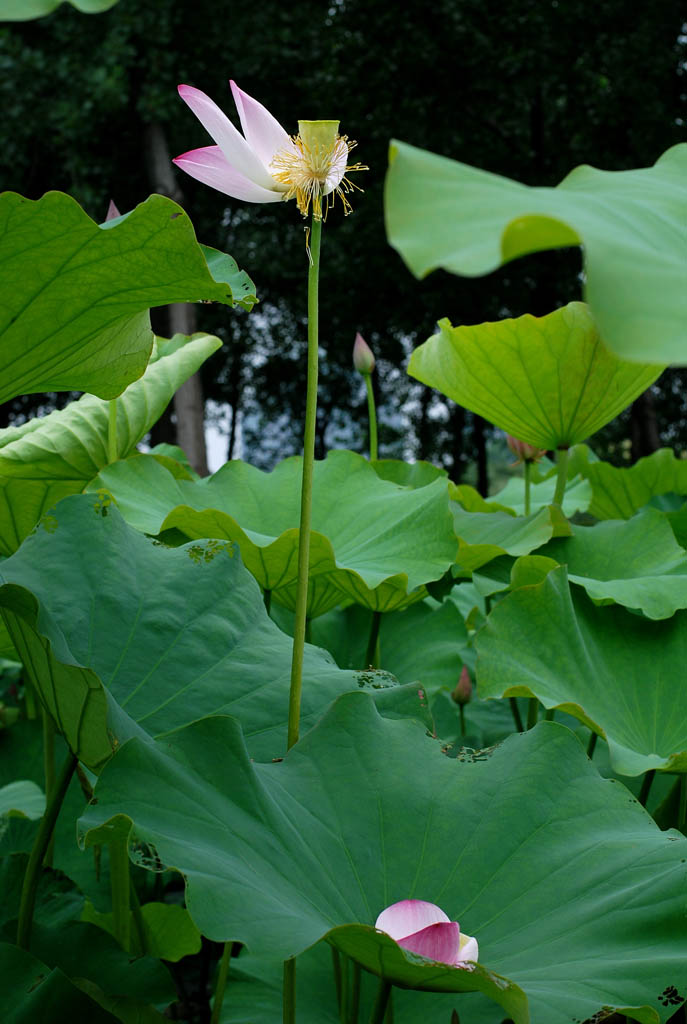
(373, 541)
(26, 10)
(631, 225)
(547, 380)
(176, 633)
(22, 798)
(619, 673)
(75, 297)
(320, 842)
(50, 457)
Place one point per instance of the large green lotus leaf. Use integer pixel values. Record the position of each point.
(575, 896)
(75, 297)
(49, 457)
(617, 493)
(33, 992)
(483, 537)
(408, 474)
(440, 213)
(126, 636)
(372, 540)
(547, 380)
(619, 673)
(26, 10)
(635, 562)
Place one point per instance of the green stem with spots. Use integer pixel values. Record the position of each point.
(40, 845)
(220, 987)
(120, 891)
(289, 992)
(372, 416)
(561, 476)
(306, 488)
(112, 455)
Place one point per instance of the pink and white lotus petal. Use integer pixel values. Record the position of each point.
(409, 916)
(210, 166)
(229, 139)
(469, 949)
(337, 170)
(263, 133)
(440, 942)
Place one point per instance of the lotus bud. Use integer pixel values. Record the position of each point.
(363, 359)
(462, 693)
(525, 452)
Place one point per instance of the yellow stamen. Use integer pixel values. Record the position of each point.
(307, 169)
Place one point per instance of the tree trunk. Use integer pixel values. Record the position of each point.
(189, 404)
(643, 426)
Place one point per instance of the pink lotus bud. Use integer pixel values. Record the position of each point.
(424, 928)
(363, 359)
(524, 451)
(112, 211)
(462, 694)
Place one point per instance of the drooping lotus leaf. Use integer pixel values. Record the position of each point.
(440, 213)
(621, 674)
(282, 855)
(549, 380)
(408, 474)
(617, 493)
(22, 798)
(635, 562)
(484, 537)
(163, 930)
(49, 457)
(372, 540)
(26, 10)
(124, 636)
(75, 297)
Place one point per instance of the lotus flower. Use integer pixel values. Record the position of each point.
(424, 928)
(524, 451)
(265, 164)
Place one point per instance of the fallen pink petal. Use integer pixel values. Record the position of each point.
(423, 928)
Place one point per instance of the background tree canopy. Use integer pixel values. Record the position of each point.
(528, 90)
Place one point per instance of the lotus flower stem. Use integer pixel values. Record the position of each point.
(306, 487)
(120, 888)
(381, 1002)
(40, 845)
(527, 468)
(112, 454)
(48, 771)
(355, 994)
(267, 598)
(372, 655)
(343, 1007)
(646, 786)
(372, 415)
(515, 711)
(221, 985)
(593, 737)
(336, 967)
(562, 476)
(289, 992)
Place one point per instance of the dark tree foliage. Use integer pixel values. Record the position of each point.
(529, 90)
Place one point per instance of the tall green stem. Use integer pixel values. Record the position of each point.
(381, 1001)
(646, 787)
(306, 488)
(515, 711)
(372, 654)
(112, 454)
(221, 985)
(48, 771)
(40, 845)
(562, 476)
(372, 416)
(120, 890)
(682, 815)
(532, 712)
(289, 992)
(528, 483)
